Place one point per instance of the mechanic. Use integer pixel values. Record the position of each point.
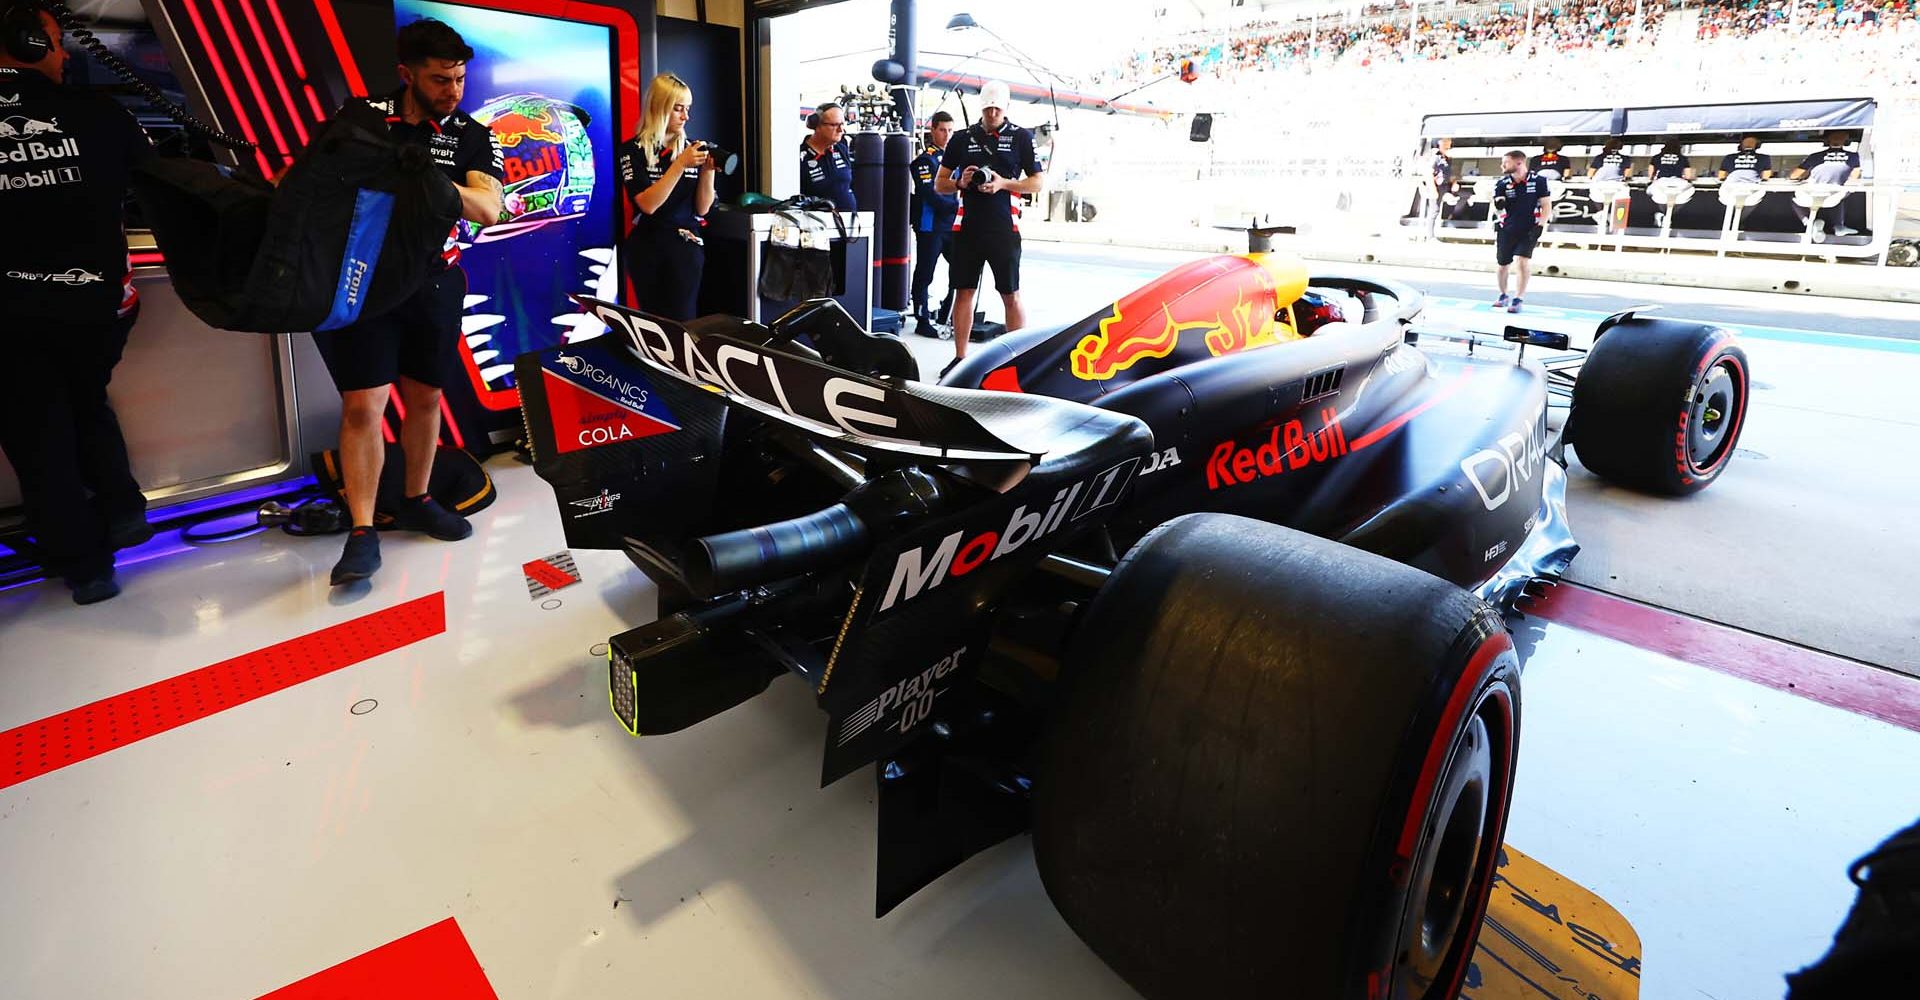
(1747, 164)
(826, 164)
(1522, 204)
(933, 214)
(1836, 164)
(414, 343)
(1439, 178)
(670, 181)
(66, 291)
(1550, 163)
(990, 164)
(1671, 161)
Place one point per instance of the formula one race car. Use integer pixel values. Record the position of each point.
(1268, 750)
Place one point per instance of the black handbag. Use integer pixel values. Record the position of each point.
(792, 273)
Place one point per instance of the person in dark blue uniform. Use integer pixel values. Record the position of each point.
(1522, 203)
(66, 305)
(1439, 181)
(826, 164)
(1551, 163)
(933, 214)
(989, 164)
(1746, 164)
(1836, 164)
(413, 344)
(669, 180)
(1613, 164)
(1671, 161)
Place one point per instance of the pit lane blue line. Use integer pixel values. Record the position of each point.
(1855, 341)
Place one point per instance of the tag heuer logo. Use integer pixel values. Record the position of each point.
(596, 505)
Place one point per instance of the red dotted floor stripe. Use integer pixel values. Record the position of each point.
(50, 744)
(431, 964)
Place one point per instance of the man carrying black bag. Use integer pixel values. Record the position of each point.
(413, 343)
(66, 304)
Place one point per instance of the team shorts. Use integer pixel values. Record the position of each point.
(416, 339)
(971, 251)
(1515, 241)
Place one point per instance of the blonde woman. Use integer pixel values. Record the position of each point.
(669, 180)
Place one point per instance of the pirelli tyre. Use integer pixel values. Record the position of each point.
(1659, 405)
(1280, 767)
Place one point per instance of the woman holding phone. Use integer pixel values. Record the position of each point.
(669, 181)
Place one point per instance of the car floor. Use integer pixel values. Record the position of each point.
(232, 778)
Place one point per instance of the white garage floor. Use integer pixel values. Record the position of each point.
(486, 782)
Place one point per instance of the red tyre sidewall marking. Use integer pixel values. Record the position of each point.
(1683, 455)
(1479, 669)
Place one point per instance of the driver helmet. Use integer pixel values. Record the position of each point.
(1315, 309)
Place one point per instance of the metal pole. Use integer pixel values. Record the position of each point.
(906, 52)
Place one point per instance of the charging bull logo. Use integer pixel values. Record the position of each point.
(546, 163)
(26, 128)
(1233, 302)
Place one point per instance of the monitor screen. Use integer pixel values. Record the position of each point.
(545, 88)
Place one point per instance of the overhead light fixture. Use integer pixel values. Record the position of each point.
(961, 22)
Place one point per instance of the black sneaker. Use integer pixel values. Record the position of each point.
(948, 368)
(424, 513)
(95, 589)
(129, 531)
(359, 558)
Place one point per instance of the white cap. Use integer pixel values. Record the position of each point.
(993, 94)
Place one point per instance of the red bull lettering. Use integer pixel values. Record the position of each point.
(1291, 448)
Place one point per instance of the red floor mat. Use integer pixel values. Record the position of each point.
(54, 742)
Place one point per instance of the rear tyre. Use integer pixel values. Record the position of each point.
(1279, 767)
(1659, 405)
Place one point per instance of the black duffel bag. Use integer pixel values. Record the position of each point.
(808, 270)
(355, 227)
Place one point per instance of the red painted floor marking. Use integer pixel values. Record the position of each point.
(548, 575)
(1849, 685)
(431, 964)
(54, 742)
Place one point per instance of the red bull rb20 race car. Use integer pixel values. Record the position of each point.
(1205, 590)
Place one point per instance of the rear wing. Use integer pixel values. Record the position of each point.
(837, 406)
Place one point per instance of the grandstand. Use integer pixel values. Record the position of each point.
(1325, 102)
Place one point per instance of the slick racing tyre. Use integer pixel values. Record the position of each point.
(1659, 405)
(1279, 767)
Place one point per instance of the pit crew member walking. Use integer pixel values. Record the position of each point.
(414, 343)
(670, 182)
(988, 165)
(66, 305)
(933, 214)
(1522, 204)
(826, 164)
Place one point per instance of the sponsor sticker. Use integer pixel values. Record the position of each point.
(904, 705)
(593, 401)
(595, 505)
(1292, 446)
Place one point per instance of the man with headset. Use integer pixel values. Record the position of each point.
(826, 164)
(66, 304)
(413, 345)
(990, 164)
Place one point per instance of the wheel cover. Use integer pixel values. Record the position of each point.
(1712, 419)
(1459, 847)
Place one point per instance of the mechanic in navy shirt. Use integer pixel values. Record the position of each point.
(826, 164)
(1836, 164)
(413, 344)
(1671, 161)
(1551, 164)
(1611, 164)
(1746, 164)
(669, 180)
(66, 295)
(1522, 203)
(990, 164)
(933, 214)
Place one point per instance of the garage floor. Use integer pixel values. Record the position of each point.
(231, 778)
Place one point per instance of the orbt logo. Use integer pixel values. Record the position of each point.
(917, 571)
(912, 696)
(1292, 447)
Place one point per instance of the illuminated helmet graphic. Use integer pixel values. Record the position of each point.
(547, 160)
(1316, 309)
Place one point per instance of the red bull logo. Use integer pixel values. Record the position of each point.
(550, 159)
(516, 126)
(1232, 303)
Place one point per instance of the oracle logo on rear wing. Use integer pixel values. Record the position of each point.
(817, 398)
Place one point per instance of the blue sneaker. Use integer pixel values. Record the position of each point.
(1501, 302)
(1513, 306)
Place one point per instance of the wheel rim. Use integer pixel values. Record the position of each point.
(1711, 424)
(1453, 868)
